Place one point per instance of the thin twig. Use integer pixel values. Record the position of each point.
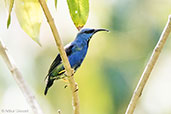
(19, 79)
(149, 67)
(67, 66)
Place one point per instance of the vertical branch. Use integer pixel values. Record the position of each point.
(20, 81)
(67, 65)
(149, 67)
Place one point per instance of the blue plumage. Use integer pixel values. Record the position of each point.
(76, 52)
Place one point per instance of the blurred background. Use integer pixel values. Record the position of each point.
(111, 69)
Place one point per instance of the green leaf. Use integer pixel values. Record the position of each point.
(9, 20)
(79, 10)
(56, 4)
(11, 3)
(29, 15)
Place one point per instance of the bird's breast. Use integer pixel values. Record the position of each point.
(77, 57)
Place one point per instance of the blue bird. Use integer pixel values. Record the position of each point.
(76, 52)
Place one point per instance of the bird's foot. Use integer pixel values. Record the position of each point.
(65, 75)
(72, 73)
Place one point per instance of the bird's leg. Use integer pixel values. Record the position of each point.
(66, 80)
(65, 74)
(72, 73)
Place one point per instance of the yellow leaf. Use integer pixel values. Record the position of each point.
(29, 14)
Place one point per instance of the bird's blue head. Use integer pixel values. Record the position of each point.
(87, 33)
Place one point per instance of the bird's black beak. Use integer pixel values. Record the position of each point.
(97, 30)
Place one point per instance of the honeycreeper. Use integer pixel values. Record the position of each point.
(76, 52)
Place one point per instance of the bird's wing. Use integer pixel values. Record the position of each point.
(58, 59)
(55, 63)
(68, 49)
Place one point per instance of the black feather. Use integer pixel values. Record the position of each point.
(55, 63)
(68, 50)
(49, 84)
(58, 59)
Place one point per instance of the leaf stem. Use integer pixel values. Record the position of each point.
(149, 67)
(20, 80)
(67, 65)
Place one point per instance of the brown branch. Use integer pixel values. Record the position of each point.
(20, 81)
(149, 67)
(67, 66)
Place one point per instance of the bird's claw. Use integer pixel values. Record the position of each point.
(72, 73)
(65, 74)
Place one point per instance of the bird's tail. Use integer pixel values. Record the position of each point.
(49, 84)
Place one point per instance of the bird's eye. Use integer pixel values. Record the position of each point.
(89, 31)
